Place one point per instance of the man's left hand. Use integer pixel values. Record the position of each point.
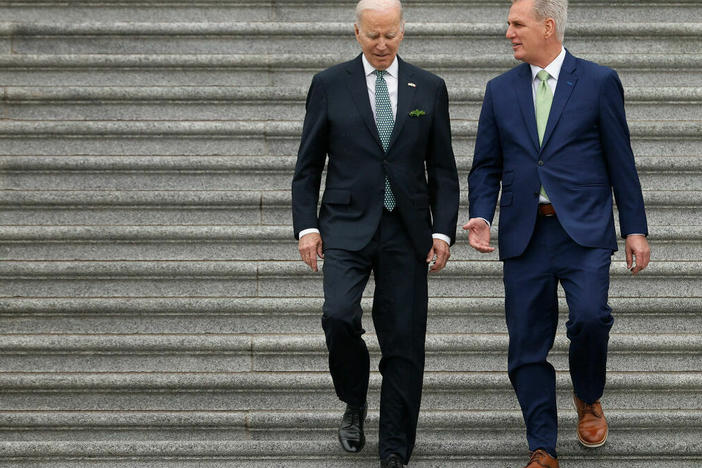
(442, 252)
(638, 253)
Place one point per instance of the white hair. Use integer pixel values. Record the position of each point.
(376, 5)
(555, 9)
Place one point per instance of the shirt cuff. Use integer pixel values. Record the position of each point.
(486, 221)
(635, 234)
(443, 237)
(308, 231)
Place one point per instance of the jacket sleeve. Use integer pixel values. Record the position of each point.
(311, 157)
(444, 192)
(616, 147)
(486, 171)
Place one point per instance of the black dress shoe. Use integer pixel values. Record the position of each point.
(351, 434)
(393, 461)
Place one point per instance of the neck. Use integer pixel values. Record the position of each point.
(550, 54)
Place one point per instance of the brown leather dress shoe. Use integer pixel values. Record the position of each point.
(541, 459)
(592, 425)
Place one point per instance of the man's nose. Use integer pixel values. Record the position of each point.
(510, 33)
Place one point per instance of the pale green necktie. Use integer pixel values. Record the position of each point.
(385, 122)
(544, 98)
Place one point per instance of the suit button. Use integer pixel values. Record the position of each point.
(541, 163)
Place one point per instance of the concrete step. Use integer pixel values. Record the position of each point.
(243, 172)
(271, 103)
(484, 279)
(657, 352)
(313, 391)
(160, 207)
(50, 243)
(179, 11)
(286, 37)
(631, 449)
(270, 138)
(188, 315)
(299, 425)
(291, 279)
(297, 69)
(240, 173)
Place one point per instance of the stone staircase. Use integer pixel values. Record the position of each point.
(153, 309)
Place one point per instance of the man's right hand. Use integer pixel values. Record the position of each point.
(479, 235)
(310, 247)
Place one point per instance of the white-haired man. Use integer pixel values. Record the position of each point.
(553, 134)
(390, 207)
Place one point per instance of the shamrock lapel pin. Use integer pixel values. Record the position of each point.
(417, 113)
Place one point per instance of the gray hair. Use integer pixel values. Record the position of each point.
(556, 9)
(376, 5)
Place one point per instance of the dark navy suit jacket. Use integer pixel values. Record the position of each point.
(420, 164)
(586, 153)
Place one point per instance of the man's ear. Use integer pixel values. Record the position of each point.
(549, 28)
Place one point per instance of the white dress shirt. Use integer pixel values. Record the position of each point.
(391, 79)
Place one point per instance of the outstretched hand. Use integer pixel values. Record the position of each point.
(479, 235)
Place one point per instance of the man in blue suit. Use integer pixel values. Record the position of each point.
(553, 132)
(390, 206)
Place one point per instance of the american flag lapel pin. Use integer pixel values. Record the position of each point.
(411, 84)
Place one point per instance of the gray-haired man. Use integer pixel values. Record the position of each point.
(390, 207)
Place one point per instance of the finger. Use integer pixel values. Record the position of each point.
(646, 259)
(642, 259)
(439, 265)
(629, 258)
(430, 255)
(320, 250)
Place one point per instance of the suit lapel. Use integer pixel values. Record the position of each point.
(525, 97)
(564, 88)
(356, 81)
(405, 97)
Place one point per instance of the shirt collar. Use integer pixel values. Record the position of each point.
(553, 68)
(392, 69)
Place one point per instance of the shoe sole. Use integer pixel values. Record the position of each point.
(593, 445)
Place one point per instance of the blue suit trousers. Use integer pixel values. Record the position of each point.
(531, 305)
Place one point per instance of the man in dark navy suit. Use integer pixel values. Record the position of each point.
(390, 207)
(553, 133)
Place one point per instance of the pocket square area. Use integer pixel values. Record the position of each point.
(417, 113)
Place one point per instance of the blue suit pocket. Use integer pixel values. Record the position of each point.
(506, 199)
(336, 197)
(507, 178)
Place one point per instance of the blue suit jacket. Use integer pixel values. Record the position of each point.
(420, 164)
(585, 154)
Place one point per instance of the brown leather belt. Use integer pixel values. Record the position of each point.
(546, 209)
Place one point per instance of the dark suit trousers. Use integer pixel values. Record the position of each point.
(399, 316)
(531, 305)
